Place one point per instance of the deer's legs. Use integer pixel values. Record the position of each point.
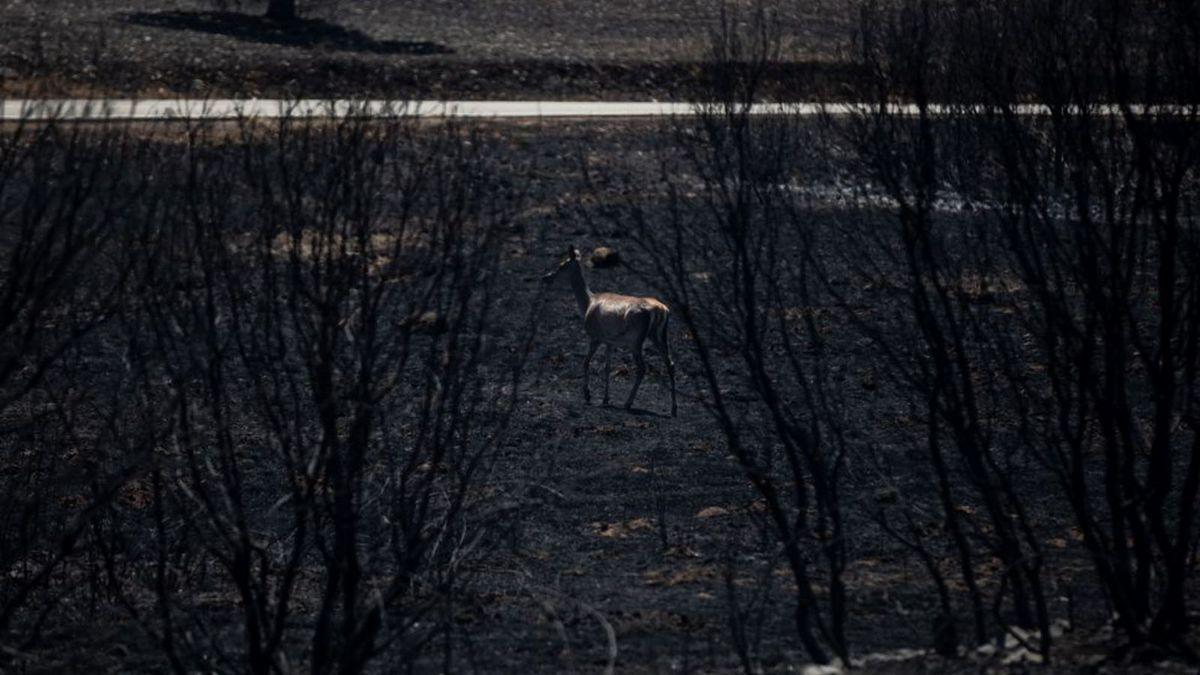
(666, 352)
(607, 371)
(640, 360)
(587, 366)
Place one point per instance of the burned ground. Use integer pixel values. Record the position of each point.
(612, 529)
(290, 394)
(469, 50)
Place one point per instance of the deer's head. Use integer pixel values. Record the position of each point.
(569, 260)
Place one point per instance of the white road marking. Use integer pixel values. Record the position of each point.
(115, 110)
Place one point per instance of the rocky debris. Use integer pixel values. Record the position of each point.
(427, 323)
(712, 512)
(603, 257)
(887, 495)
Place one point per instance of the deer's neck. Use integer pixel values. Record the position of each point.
(579, 288)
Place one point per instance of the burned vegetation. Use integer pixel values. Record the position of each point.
(289, 395)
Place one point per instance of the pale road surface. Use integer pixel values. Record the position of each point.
(82, 110)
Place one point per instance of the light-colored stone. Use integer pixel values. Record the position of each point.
(713, 512)
(603, 256)
(429, 323)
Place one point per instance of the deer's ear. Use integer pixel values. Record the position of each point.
(573, 253)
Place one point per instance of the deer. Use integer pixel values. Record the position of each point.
(615, 320)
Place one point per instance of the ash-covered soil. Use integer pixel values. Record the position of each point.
(471, 49)
(646, 522)
(637, 532)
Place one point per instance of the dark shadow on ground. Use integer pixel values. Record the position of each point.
(635, 411)
(297, 33)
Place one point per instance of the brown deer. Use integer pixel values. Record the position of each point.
(616, 321)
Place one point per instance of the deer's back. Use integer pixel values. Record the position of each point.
(621, 319)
